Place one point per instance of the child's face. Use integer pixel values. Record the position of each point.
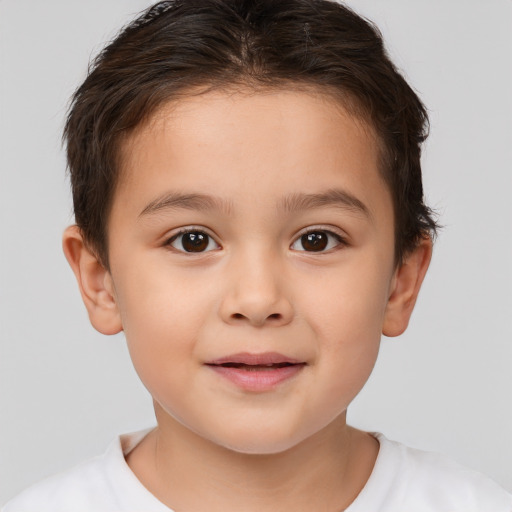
(250, 176)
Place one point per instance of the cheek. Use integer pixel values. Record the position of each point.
(162, 315)
(347, 319)
(347, 305)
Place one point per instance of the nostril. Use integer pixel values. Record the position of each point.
(273, 316)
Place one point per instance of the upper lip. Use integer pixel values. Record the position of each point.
(264, 358)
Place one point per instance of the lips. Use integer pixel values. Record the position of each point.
(256, 367)
(257, 372)
(263, 359)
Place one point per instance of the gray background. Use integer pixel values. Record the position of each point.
(445, 385)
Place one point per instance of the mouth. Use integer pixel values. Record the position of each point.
(263, 359)
(256, 367)
(257, 372)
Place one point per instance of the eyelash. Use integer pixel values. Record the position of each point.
(187, 231)
(340, 240)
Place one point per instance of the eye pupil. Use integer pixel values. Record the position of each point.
(316, 241)
(194, 241)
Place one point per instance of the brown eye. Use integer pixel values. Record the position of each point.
(193, 241)
(317, 241)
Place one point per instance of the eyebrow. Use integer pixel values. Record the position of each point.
(176, 200)
(337, 198)
(293, 203)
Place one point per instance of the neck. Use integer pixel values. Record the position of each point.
(187, 472)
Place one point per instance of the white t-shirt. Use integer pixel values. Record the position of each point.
(403, 480)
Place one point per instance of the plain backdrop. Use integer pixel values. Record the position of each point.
(445, 385)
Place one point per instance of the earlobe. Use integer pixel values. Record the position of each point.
(94, 281)
(405, 288)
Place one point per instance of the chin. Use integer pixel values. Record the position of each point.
(256, 447)
(259, 442)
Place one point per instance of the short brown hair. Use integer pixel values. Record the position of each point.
(179, 45)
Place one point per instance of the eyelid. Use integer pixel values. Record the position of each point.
(337, 233)
(191, 229)
(333, 231)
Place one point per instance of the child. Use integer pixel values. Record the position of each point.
(249, 209)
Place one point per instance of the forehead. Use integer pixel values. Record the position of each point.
(243, 120)
(234, 140)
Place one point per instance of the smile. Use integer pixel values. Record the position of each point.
(256, 372)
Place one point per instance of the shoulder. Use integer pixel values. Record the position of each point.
(406, 479)
(103, 484)
(75, 489)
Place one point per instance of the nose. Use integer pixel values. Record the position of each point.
(256, 292)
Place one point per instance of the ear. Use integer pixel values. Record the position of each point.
(405, 286)
(95, 283)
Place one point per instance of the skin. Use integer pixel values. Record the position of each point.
(256, 288)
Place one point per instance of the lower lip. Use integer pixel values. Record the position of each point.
(258, 380)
